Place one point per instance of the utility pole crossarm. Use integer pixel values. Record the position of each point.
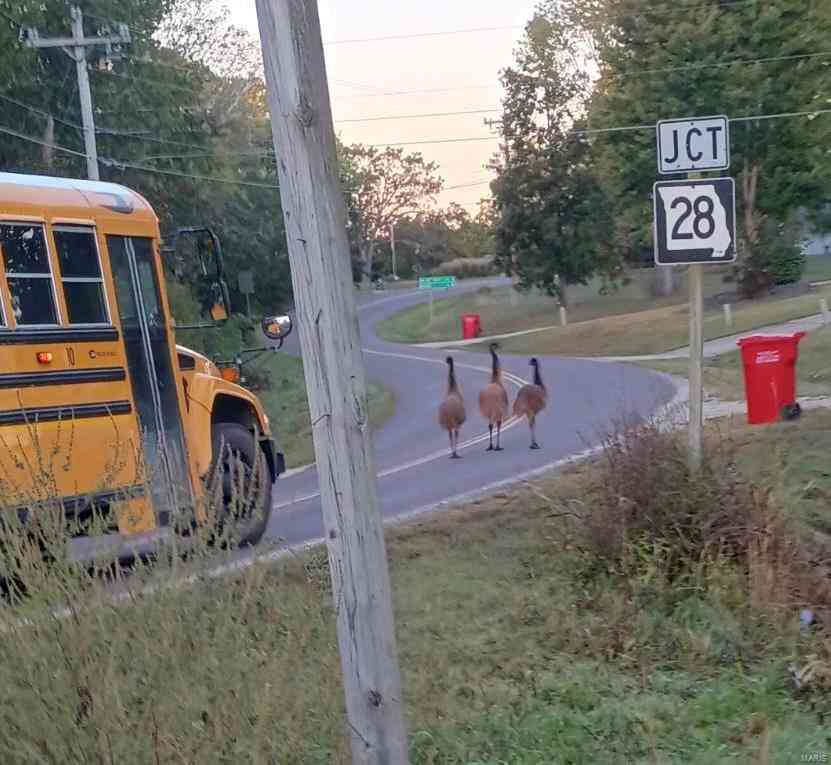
(31, 39)
(76, 48)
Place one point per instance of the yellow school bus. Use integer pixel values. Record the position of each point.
(99, 407)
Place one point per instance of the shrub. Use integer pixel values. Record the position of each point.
(467, 268)
(655, 522)
(775, 260)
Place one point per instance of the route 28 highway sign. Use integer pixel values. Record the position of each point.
(695, 221)
(693, 145)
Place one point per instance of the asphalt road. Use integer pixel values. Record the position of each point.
(414, 469)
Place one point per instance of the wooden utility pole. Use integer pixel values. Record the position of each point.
(315, 218)
(76, 48)
(49, 142)
(392, 247)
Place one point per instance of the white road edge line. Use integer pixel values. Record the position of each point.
(510, 423)
(680, 398)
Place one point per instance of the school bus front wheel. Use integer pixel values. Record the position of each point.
(239, 483)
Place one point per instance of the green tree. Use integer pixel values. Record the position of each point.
(381, 187)
(470, 236)
(660, 61)
(552, 210)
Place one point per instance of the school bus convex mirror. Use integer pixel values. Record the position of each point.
(127, 425)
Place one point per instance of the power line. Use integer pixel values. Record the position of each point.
(467, 185)
(438, 140)
(621, 129)
(477, 30)
(476, 139)
(211, 179)
(148, 138)
(423, 91)
(738, 62)
(676, 7)
(210, 155)
(749, 118)
(720, 64)
(56, 147)
(39, 112)
(781, 115)
(417, 35)
(418, 116)
(161, 83)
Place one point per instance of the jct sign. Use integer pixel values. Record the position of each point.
(692, 145)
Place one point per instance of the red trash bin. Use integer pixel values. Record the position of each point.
(471, 326)
(769, 363)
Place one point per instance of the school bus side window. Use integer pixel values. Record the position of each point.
(28, 274)
(81, 279)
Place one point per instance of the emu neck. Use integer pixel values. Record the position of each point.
(537, 378)
(452, 385)
(496, 370)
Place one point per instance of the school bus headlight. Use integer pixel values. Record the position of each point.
(44, 357)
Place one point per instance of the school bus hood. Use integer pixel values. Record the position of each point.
(191, 361)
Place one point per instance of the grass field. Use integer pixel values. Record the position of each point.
(723, 375)
(818, 269)
(658, 330)
(513, 650)
(660, 324)
(504, 310)
(288, 408)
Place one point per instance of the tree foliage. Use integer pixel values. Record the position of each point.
(613, 66)
(383, 186)
(553, 212)
(658, 62)
(180, 118)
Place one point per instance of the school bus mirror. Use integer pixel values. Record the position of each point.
(277, 327)
(196, 255)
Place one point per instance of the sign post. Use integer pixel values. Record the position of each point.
(246, 287)
(434, 283)
(695, 224)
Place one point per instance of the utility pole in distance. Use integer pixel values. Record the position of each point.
(392, 247)
(315, 217)
(76, 48)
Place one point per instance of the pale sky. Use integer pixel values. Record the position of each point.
(463, 67)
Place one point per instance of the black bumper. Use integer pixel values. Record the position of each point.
(276, 460)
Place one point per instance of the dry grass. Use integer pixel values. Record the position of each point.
(724, 378)
(516, 644)
(287, 405)
(659, 330)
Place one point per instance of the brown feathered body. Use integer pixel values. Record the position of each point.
(493, 400)
(452, 410)
(452, 413)
(532, 398)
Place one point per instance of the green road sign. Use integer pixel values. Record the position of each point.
(436, 282)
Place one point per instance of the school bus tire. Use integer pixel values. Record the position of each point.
(235, 439)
